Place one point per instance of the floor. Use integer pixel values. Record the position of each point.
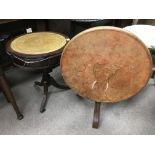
(69, 114)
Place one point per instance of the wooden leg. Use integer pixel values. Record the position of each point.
(44, 101)
(47, 81)
(96, 115)
(7, 91)
(41, 83)
(4, 92)
(8, 100)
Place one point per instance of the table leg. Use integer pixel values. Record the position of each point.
(7, 91)
(46, 81)
(96, 115)
(8, 100)
(44, 101)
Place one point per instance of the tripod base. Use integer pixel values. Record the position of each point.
(47, 81)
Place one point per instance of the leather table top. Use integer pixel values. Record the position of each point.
(106, 64)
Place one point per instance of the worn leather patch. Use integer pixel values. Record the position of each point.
(106, 64)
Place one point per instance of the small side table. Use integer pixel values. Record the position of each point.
(106, 65)
(39, 51)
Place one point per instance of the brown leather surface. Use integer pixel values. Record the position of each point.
(106, 64)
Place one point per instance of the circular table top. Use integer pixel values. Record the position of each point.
(106, 64)
(39, 43)
(145, 32)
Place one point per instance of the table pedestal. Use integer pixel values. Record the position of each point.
(47, 81)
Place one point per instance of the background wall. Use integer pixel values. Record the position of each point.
(146, 21)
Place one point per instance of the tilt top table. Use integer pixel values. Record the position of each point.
(106, 64)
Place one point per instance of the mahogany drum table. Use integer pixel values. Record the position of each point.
(40, 50)
(106, 64)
